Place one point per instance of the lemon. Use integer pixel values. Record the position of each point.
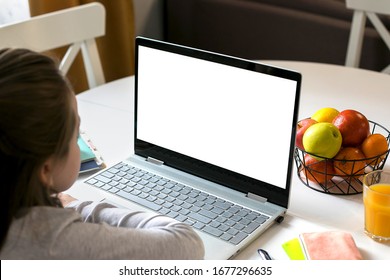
(326, 114)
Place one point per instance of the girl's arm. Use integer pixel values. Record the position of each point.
(161, 236)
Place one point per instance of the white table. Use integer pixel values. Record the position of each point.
(107, 116)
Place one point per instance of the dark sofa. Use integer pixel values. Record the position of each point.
(306, 30)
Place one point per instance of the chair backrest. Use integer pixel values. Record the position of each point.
(366, 9)
(76, 27)
(376, 6)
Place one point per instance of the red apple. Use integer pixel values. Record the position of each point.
(354, 127)
(318, 171)
(302, 126)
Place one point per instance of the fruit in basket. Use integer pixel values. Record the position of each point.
(318, 171)
(322, 139)
(302, 126)
(365, 148)
(326, 114)
(374, 147)
(354, 127)
(350, 161)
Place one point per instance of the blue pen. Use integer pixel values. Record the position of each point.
(264, 254)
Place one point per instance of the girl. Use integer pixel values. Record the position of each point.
(40, 158)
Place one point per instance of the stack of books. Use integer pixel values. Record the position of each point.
(90, 157)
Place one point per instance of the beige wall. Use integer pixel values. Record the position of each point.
(13, 10)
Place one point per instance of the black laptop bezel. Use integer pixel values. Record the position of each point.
(274, 194)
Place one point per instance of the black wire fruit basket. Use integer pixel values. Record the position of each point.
(328, 180)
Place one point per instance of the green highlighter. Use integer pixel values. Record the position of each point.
(294, 250)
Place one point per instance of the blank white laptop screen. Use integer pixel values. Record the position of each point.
(237, 119)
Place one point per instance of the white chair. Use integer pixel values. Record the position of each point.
(366, 9)
(77, 27)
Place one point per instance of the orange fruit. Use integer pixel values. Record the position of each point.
(374, 148)
(318, 171)
(349, 161)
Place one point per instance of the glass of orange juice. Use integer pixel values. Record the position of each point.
(376, 199)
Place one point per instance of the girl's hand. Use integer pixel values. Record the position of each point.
(65, 199)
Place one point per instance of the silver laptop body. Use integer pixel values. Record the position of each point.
(218, 126)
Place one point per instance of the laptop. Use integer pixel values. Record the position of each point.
(213, 144)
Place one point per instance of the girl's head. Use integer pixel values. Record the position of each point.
(39, 156)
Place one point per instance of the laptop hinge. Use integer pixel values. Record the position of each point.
(257, 197)
(154, 161)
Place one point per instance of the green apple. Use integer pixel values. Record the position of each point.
(323, 140)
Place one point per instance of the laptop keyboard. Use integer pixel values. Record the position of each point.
(203, 211)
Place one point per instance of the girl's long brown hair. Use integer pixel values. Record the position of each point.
(36, 121)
